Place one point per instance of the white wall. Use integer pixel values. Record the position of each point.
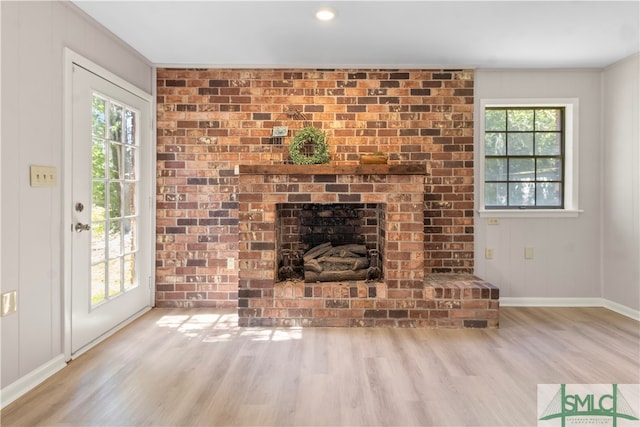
(621, 183)
(566, 261)
(33, 37)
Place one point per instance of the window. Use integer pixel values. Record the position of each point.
(528, 153)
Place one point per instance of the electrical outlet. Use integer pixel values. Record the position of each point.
(493, 221)
(488, 253)
(230, 263)
(9, 303)
(528, 253)
(43, 176)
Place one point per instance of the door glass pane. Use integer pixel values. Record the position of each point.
(98, 277)
(130, 126)
(130, 271)
(129, 198)
(99, 156)
(115, 276)
(97, 241)
(130, 238)
(115, 161)
(99, 125)
(98, 207)
(113, 237)
(115, 123)
(115, 199)
(129, 163)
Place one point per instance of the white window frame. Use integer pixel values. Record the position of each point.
(571, 182)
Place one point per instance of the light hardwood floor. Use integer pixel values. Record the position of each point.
(196, 368)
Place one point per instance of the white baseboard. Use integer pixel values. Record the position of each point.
(16, 389)
(570, 302)
(622, 309)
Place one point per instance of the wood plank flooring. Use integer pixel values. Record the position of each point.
(179, 367)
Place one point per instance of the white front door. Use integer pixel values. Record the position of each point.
(112, 243)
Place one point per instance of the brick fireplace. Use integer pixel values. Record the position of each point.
(401, 297)
(211, 120)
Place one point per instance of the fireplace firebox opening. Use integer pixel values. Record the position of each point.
(321, 242)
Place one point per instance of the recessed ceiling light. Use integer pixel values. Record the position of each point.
(325, 14)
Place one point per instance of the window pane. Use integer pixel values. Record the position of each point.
(495, 194)
(550, 119)
(522, 194)
(494, 144)
(496, 170)
(549, 194)
(548, 143)
(495, 120)
(115, 123)
(520, 120)
(521, 169)
(549, 169)
(520, 144)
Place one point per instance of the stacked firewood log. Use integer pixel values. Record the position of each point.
(328, 263)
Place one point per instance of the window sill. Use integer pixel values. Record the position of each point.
(529, 213)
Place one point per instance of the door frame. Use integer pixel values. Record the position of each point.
(147, 174)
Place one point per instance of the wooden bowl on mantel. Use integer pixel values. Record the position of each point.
(373, 159)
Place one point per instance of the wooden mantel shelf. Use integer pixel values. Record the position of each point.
(393, 169)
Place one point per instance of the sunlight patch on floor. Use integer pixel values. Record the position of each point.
(223, 327)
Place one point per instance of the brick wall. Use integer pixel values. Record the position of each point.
(211, 120)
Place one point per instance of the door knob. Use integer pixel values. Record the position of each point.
(80, 227)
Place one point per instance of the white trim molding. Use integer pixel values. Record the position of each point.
(570, 302)
(34, 378)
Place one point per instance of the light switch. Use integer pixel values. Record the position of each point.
(43, 176)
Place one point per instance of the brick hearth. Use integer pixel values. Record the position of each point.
(402, 298)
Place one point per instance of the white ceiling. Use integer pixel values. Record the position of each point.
(483, 34)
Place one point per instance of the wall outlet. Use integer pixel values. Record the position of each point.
(230, 263)
(488, 253)
(9, 303)
(493, 221)
(43, 176)
(528, 253)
